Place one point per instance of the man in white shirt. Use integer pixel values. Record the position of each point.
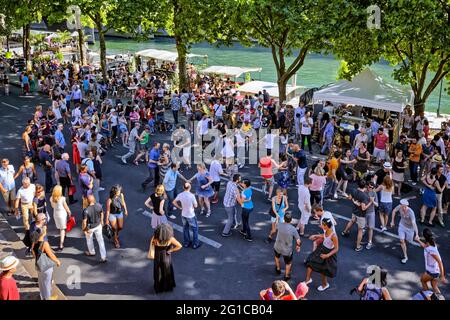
(306, 130)
(132, 140)
(188, 205)
(215, 170)
(304, 205)
(203, 129)
(218, 110)
(25, 197)
(8, 185)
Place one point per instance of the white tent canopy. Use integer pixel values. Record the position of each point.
(271, 87)
(229, 70)
(366, 89)
(163, 55)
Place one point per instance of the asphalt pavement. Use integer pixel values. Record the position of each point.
(223, 268)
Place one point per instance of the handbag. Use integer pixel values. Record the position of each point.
(43, 263)
(70, 224)
(72, 190)
(107, 231)
(151, 251)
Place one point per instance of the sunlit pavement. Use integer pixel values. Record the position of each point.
(236, 269)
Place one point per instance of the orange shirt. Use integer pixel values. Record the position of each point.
(415, 150)
(333, 164)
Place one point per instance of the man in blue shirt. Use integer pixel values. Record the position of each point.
(153, 169)
(170, 186)
(354, 133)
(328, 136)
(59, 138)
(300, 158)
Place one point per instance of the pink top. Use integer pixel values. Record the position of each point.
(318, 182)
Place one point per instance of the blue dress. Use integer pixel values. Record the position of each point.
(429, 198)
(201, 181)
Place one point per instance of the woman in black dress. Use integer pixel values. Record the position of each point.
(323, 260)
(162, 245)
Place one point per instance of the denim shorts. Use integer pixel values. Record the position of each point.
(114, 217)
(434, 275)
(385, 207)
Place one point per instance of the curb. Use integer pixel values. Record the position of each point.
(19, 251)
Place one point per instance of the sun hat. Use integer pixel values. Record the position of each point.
(404, 202)
(8, 263)
(437, 158)
(302, 290)
(387, 165)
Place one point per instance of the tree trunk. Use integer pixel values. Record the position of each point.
(282, 84)
(182, 71)
(81, 45)
(27, 47)
(419, 105)
(7, 43)
(101, 38)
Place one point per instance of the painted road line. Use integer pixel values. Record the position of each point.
(376, 229)
(179, 228)
(10, 105)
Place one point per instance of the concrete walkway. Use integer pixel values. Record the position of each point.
(26, 275)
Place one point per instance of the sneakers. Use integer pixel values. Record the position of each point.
(249, 239)
(236, 226)
(226, 235)
(242, 232)
(442, 224)
(101, 189)
(123, 161)
(208, 214)
(344, 195)
(383, 229)
(197, 246)
(369, 246)
(173, 217)
(404, 260)
(240, 166)
(358, 249)
(321, 288)
(308, 282)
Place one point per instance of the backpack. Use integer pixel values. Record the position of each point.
(372, 294)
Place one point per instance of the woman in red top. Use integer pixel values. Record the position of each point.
(76, 158)
(8, 286)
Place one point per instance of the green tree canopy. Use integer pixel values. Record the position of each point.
(414, 37)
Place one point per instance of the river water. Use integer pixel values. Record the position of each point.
(317, 70)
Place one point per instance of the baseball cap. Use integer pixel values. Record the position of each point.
(404, 202)
(8, 263)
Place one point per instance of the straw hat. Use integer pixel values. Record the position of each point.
(8, 263)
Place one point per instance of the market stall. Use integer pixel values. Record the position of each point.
(366, 97)
(254, 87)
(232, 72)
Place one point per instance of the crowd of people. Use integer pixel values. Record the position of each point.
(89, 116)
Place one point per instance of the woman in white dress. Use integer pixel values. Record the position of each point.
(61, 212)
(228, 151)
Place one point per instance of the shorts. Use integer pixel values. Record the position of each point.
(360, 221)
(113, 217)
(269, 180)
(379, 154)
(9, 195)
(405, 233)
(370, 220)
(273, 220)
(433, 275)
(385, 207)
(216, 186)
(287, 259)
(304, 217)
